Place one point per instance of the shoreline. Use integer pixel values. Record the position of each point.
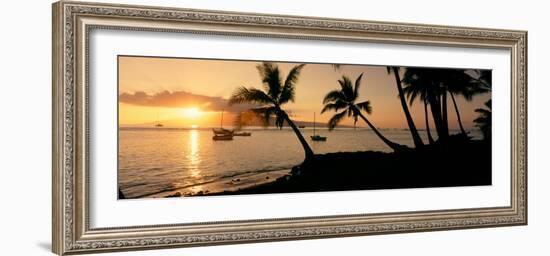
(458, 162)
(431, 166)
(241, 181)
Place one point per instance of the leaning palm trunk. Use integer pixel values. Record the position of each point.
(458, 115)
(430, 138)
(392, 145)
(412, 128)
(307, 150)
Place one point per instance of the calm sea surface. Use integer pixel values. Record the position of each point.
(163, 161)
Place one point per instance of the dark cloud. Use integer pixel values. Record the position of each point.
(180, 99)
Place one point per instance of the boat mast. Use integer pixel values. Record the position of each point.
(221, 122)
(158, 118)
(313, 123)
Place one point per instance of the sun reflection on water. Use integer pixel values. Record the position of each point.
(194, 154)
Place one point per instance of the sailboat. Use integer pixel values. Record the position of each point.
(158, 124)
(316, 137)
(221, 133)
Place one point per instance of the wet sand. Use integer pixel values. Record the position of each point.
(236, 183)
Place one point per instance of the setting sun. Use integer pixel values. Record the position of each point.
(192, 113)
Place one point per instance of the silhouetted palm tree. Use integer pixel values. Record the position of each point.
(412, 128)
(459, 82)
(423, 83)
(419, 90)
(275, 95)
(483, 79)
(344, 99)
(436, 84)
(483, 122)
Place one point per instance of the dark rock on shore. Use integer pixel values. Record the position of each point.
(459, 162)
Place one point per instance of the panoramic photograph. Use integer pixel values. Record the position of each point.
(205, 127)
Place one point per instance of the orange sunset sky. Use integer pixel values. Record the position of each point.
(181, 92)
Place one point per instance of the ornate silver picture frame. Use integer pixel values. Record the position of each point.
(72, 202)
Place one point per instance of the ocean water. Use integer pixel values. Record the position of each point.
(156, 162)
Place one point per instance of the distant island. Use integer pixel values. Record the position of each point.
(255, 123)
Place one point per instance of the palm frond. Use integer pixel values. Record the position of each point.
(486, 77)
(347, 88)
(333, 96)
(279, 119)
(419, 84)
(480, 120)
(468, 93)
(271, 78)
(357, 86)
(288, 90)
(249, 95)
(334, 120)
(287, 94)
(416, 90)
(365, 106)
(483, 121)
(461, 82)
(350, 112)
(482, 111)
(335, 106)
